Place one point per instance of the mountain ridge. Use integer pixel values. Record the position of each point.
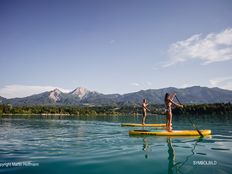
(82, 96)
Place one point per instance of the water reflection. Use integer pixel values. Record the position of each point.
(171, 156)
(173, 165)
(145, 147)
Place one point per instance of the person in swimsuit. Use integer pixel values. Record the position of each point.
(145, 109)
(168, 103)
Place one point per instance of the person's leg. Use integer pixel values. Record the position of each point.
(170, 121)
(167, 127)
(144, 117)
(166, 119)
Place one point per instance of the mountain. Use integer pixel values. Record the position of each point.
(82, 96)
(55, 95)
(80, 92)
(194, 95)
(45, 98)
(2, 99)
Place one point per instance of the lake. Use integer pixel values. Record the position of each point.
(99, 145)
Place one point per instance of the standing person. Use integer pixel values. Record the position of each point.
(145, 109)
(169, 102)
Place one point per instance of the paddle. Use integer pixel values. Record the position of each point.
(194, 126)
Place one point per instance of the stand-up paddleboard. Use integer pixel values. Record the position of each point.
(143, 125)
(173, 133)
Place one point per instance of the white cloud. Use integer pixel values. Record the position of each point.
(222, 82)
(11, 91)
(148, 83)
(214, 47)
(135, 84)
(141, 85)
(186, 85)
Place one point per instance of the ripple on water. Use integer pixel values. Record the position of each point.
(213, 148)
(103, 146)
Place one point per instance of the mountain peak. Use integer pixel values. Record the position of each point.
(80, 92)
(1, 99)
(55, 95)
(56, 90)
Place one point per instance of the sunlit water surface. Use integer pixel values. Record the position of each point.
(100, 145)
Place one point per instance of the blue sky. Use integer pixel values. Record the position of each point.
(115, 46)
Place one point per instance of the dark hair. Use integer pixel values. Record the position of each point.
(144, 100)
(166, 97)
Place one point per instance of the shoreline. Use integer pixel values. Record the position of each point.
(80, 115)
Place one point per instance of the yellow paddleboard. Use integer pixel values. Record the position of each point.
(143, 125)
(173, 133)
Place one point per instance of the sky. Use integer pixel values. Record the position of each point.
(114, 46)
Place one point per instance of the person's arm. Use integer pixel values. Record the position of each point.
(146, 107)
(172, 96)
(179, 105)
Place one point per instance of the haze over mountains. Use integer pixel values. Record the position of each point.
(82, 96)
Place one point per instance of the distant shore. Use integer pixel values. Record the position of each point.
(38, 114)
(211, 109)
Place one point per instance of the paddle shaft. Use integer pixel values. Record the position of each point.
(195, 127)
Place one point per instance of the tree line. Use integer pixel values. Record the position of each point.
(207, 109)
(217, 108)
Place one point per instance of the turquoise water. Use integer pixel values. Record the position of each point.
(100, 145)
